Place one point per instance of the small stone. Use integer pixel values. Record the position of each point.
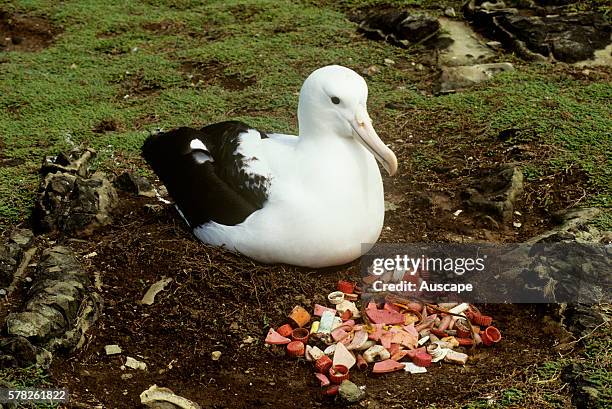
(350, 392)
(465, 76)
(450, 12)
(135, 364)
(517, 224)
(248, 340)
(371, 70)
(389, 61)
(216, 355)
(127, 376)
(112, 349)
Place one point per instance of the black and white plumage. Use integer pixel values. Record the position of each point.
(309, 200)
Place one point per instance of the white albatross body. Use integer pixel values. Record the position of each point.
(319, 210)
(323, 189)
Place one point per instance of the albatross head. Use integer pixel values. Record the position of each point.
(333, 101)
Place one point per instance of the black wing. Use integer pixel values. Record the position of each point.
(208, 181)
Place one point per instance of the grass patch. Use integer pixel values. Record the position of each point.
(126, 63)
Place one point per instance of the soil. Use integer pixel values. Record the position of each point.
(211, 72)
(25, 33)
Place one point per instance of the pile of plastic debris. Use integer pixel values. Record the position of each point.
(397, 334)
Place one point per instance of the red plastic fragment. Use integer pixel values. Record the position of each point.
(295, 348)
(490, 336)
(479, 319)
(422, 359)
(465, 342)
(346, 315)
(384, 316)
(345, 286)
(361, 363)
(319, 310)
(323, 379)
(274, 338)
(323, 364)
(438, 333)
(332, 390)
(300, 334)
(285, 330)
(388, 365)
(412, 353)
(338, 373)
(399, 355)
(391, 307)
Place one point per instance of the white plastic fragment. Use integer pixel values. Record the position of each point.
(135, 364)
(313, 353)
(343, 356)
(149, 297)
(455, 357)
(376, 351)
(423, 340)
(348, 305)
(459, 308)
(330, 349)
(412, 368)
(155, 394)
(336, 297)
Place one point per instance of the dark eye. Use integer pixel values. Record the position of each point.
(335, 100)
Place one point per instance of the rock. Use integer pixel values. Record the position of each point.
(464, 46)
(16, 351)
(458, 78)
(9, 261)
(75, 163)
(216, 355)
(537, 34)
(30, 324)
(496, 193)
(350, 392)
(22, 237)
(131, 183)
(71, 201)
(59, 307)
(450, 12)
(399, 27)
(135, 363)
(112, 349)
(574, 227)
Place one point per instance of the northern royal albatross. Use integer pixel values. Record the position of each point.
(308, 200)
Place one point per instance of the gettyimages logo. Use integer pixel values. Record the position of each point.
(458, 265)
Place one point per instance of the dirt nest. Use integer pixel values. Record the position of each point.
(20, 32)
(216, 301)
